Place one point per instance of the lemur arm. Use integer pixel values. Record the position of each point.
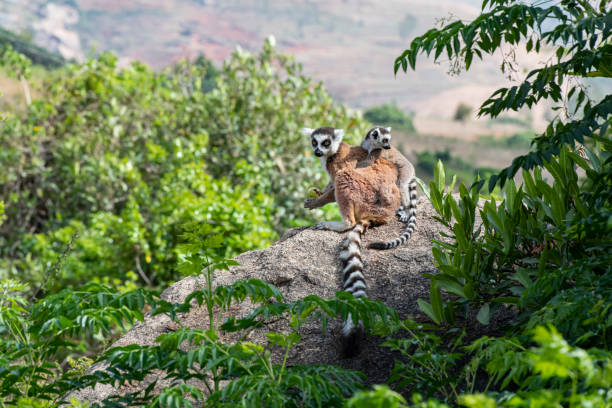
(405, 175)
(329, 186)
(328, 196)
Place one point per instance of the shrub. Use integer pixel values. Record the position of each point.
(544, 248)
(521, 139)
(389, 115)
(126, 158)
(255, 116)
(463, 112)
(455, 166)
(39, 336)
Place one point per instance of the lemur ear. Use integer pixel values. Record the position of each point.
(307, 131)
(388, 129)
(338, 133)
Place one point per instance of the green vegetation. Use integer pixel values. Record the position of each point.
(18, 66)
(36, 54)
(231, 374)
(510, 120)
(542, 248)
(125, 160)
(517, 140)
(406, 26)
(390, 115)
(455, 166)
(463, 112)
(118, 178)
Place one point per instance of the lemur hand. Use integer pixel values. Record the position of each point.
(310, 203)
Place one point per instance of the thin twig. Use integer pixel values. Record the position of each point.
(141, 272)
(26, 90)
(57, 266)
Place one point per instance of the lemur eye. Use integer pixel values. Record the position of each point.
(326, 143)
(314, 142)
(375, 135)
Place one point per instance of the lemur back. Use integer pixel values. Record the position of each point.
(365, 196)
(378, 139)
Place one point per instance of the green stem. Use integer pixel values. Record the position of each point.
(574, 387)
(221, 349)
(266, 363)
(209, 296)
(282, 370)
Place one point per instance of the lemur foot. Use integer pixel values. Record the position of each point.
(337, 226)
(402, 215)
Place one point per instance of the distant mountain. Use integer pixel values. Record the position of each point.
(348, 44)
(38, 55)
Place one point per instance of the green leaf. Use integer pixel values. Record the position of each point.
(439, 177)
(428, 310)
(436, 300)
(451, 285)
(483, 315)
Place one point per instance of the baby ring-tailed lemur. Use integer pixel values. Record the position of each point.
(377, 140)
(365, 196)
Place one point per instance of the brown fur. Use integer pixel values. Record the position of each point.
(368, 195)
(358, 157)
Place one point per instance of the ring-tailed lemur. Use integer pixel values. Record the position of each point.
(365, 196)
(404, 167)
(379, 138)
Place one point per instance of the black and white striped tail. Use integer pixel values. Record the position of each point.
(353, 282)
(410, 221)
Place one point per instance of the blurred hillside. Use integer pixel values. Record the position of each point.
(348, 44)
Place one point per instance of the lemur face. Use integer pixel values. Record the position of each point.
(324, 140)
(378, 138)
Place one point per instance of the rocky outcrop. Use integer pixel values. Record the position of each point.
(303, 262)
(53, 31)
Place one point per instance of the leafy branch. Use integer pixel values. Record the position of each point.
(580, 38)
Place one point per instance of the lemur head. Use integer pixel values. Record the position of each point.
(377, 138)
(324, 140)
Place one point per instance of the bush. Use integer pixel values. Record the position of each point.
(406, 26)
(545, 248)
(255, 116)
(126, 159)
(389, 115)
(116, 157)
(521, 139)
(40, 336)
(455, 166)
(463, 112)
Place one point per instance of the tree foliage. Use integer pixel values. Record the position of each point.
(578, 32)
(39, 336)
(128, 158)
(542, 248)
(124, 175)
(389, 115)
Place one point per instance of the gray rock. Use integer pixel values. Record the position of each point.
(304, 262)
